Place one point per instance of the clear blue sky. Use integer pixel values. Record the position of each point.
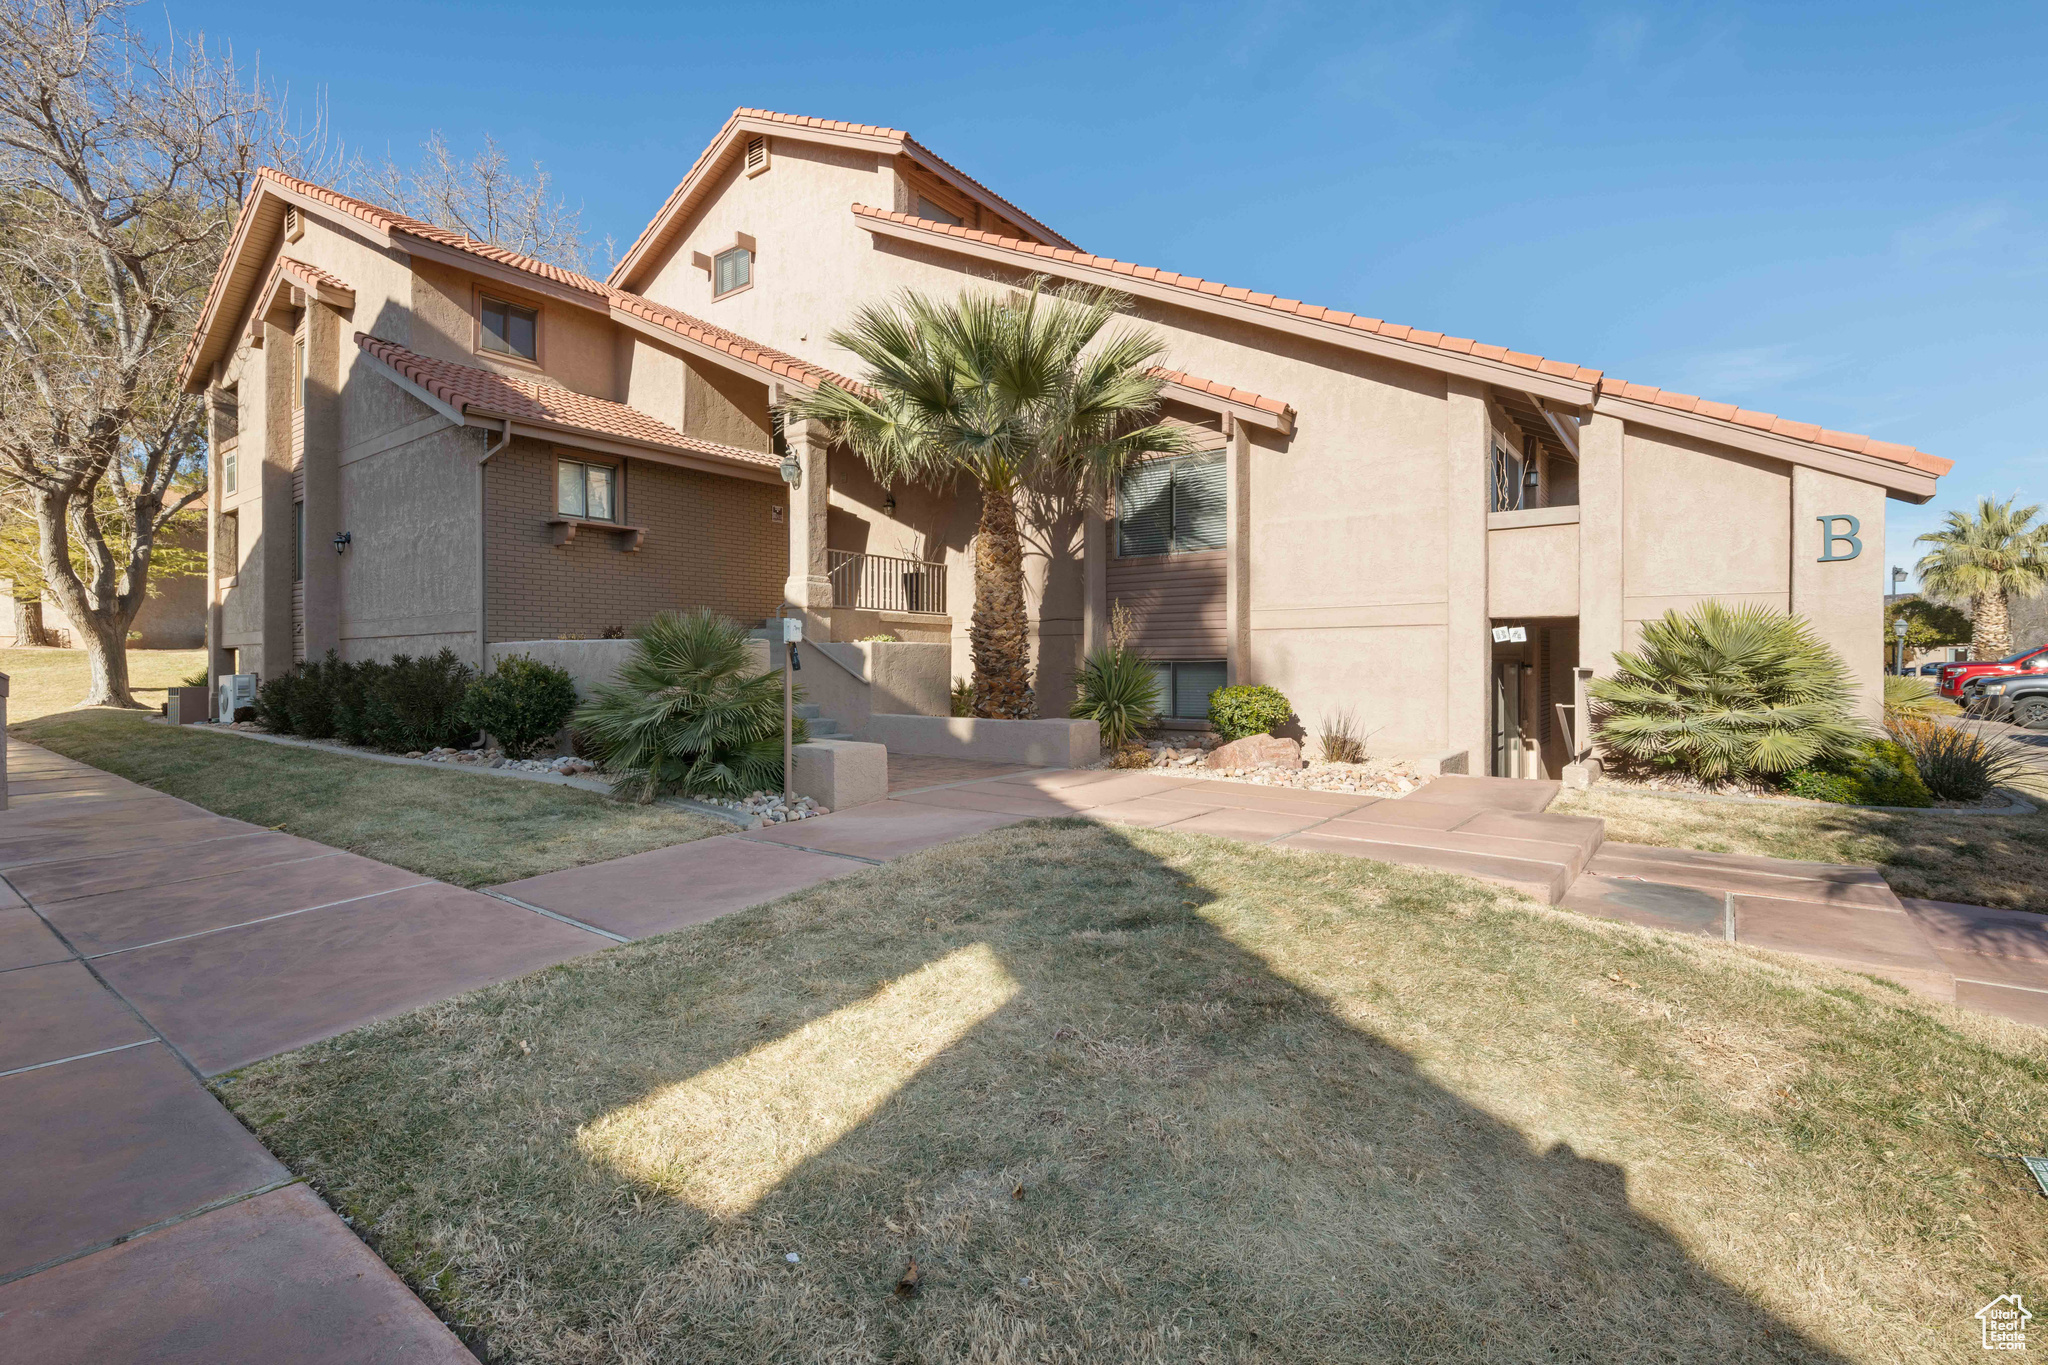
(1833, 212)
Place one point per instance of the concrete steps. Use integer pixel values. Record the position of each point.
(819, 725)
(1492, 828)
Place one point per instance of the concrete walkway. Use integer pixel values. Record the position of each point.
(146, 943)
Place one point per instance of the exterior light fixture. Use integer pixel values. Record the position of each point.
(342, 540)
(1529, 479)
(792, 471)
(889, 505)
(1898, 577)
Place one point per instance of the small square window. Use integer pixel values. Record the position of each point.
(587, 491)
(732, 270)
(511, 330)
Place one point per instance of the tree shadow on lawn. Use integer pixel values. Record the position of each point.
(1105, 1130)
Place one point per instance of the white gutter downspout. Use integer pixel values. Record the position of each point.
(483, 553)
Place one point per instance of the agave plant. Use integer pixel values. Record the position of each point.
(688, 714)
(1119, 692)
(1728, 694)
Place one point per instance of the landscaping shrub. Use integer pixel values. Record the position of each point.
(417, 703)
(687, 714)
(1905, 694)
(1728, 693)
(1956, 762)
(1883, 773)
(522, 704)
(1119, 692)
(273, 708)
(962, 699)
(1339, 738)
(1236, 712)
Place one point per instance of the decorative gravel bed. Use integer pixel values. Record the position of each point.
(1390, 777)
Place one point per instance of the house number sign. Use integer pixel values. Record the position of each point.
(1839, 533)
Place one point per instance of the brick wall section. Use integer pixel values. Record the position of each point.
(711, 542)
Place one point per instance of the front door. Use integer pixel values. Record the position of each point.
(1507, 718)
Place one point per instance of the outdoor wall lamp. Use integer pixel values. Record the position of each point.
(1529, 479)
(889, 505)
(792, 471)
(342, 540)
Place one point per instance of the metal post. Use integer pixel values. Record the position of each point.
(792, 634)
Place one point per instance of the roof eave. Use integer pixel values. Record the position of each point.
(567, 433)
(1576, 393)
(1904, 482)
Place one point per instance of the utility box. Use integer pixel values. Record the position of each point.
(236, 690)
(188, 705)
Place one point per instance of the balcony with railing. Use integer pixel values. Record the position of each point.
(868, 582)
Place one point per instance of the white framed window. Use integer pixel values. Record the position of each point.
(1185, 685)
(1171, 507)
(230, 470)
(509, 329)
(731, 269)
(589, 492)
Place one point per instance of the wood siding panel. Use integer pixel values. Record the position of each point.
(1177, 603)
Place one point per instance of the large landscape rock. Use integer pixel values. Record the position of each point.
(1256, 751)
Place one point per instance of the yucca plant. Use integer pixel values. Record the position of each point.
(1119, 692)
(1727, 694)
(1957, 762)
(688, 714)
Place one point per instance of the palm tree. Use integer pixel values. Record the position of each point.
(1009, 390)
(1987, 560)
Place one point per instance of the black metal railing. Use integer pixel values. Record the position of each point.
(885, 583)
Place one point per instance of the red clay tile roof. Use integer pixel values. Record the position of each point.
(465, 387)
(732, 343)
(1780, 426)
(654, 229)
(388, 220)
(1242, 397)
(311, 276)
(1760, 421)
(1460, 345)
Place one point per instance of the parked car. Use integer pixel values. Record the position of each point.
(2022, 700)
(1954, 676)
(1931, 670)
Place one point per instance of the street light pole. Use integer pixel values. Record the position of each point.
(1899, 626)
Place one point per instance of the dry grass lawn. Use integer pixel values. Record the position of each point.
(1977, 859)
(1134, 1096)
(44, 681)
(459, 827)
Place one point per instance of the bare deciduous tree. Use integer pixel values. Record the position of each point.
(480, 198)
(122, 165)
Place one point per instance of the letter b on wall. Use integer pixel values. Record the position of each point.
(1838, 533)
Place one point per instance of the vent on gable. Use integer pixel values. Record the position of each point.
(757, 155)
(294, 226)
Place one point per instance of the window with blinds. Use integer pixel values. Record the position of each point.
(1185, 685)
(1172, 507)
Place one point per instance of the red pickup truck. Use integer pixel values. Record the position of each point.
(1953, 676)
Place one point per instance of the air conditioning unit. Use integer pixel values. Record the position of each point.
(236, 691)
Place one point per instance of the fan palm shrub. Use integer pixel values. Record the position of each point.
(1987, 559)
(1007, 390)
(1119, 692)
(687, 713)
(1727, 693)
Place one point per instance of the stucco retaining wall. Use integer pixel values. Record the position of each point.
(1041, 743)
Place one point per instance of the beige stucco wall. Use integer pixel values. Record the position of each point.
(1701, 521)
(1532, 569)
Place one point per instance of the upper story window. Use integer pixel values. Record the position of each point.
(731, 269)
(1172, 507)
(298, 374)
(927, 209)
(509, 329)
(589, 491)
(230, 469)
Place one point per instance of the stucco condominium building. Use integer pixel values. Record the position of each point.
(420, 440)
